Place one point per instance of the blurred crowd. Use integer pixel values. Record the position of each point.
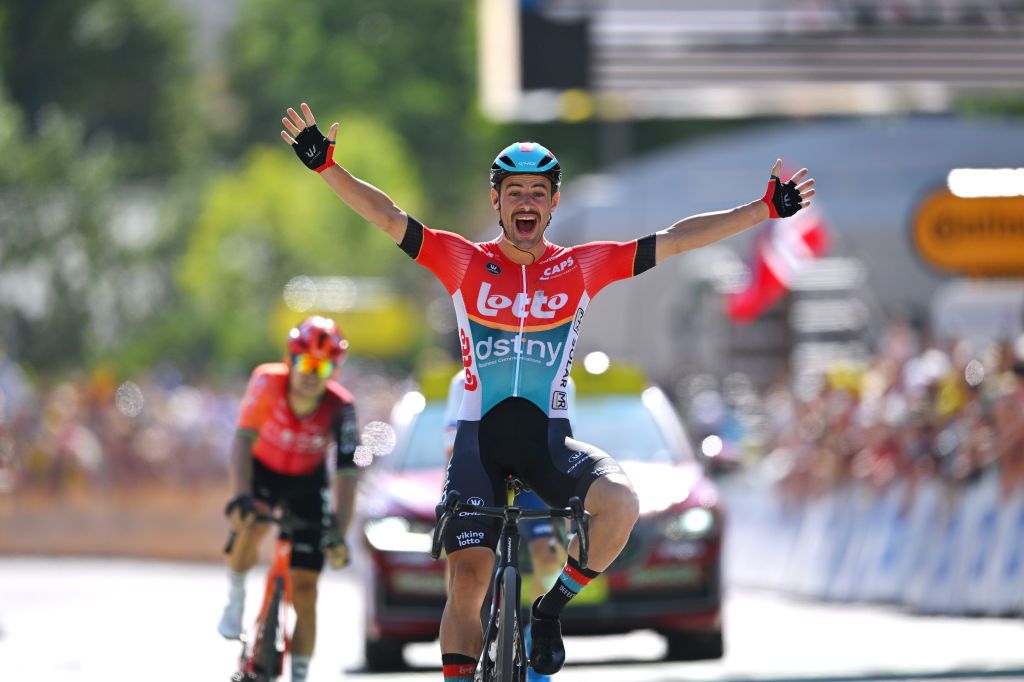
(913, 411)
(99, 432)
(949, 411)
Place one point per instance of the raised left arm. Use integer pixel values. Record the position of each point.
(781, 200)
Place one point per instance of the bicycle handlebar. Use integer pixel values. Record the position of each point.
(284, 521)
(450, 506)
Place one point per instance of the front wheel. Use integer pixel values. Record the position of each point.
(509, 664)
(266, 658)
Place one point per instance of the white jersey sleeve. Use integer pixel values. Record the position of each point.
(451, 410)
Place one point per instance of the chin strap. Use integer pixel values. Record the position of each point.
(511, 243)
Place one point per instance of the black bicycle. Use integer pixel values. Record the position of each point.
(504, 653)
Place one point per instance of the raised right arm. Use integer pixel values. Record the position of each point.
(368, 201)
(317, 152)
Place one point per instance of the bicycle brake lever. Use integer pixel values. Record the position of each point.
(443, 511)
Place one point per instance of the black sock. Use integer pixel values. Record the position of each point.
(569, 583)
(457, 667)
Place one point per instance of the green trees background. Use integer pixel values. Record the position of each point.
(148, 209)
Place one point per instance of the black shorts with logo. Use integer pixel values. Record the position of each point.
(515, 437)
(309, 498)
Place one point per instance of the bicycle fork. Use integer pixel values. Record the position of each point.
(508, 560)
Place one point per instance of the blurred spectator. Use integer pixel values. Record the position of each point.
(949, 412)
(1010, 428)
(94, 432)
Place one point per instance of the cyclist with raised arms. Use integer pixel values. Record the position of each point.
(542, 535)
(296, 440)
(519, 301)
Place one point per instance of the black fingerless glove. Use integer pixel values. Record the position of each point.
(243, 502)
(313, 149)
(782, 199)
(332, 536)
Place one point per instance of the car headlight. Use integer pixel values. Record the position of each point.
(396, 534)
(693, 522)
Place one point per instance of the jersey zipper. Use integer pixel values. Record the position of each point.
(522, 341)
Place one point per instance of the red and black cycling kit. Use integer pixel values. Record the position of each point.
(518, 328)
(294, 457)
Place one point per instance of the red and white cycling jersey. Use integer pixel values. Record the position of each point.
(519, 324)
(292, 445)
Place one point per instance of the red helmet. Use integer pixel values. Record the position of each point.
(319, 338)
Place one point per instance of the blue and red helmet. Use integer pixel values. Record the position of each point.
(526, 157)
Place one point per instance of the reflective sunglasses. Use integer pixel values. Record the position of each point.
(309, 365)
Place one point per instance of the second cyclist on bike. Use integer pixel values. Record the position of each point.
(295, 443)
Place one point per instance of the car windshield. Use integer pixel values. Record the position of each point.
(424, 446)
(620, 425)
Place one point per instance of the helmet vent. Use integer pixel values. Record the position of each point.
(507, 161)
(546, 160)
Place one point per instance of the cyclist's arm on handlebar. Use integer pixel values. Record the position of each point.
(346, 483)
(241, 462)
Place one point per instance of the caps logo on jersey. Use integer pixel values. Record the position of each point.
(556, 270)
(494, 268)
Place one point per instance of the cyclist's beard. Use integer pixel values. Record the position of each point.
(515, 243)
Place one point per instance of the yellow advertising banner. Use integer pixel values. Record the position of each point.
(981, 236)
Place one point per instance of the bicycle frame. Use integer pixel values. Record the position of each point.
(277, 595)
(510, 658)
(506, 559)
(278, 575)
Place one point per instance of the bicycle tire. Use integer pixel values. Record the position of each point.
(508, 630)
(265, 651)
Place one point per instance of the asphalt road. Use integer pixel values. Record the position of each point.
(114, 621)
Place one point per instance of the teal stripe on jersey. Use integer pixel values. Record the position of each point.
(539, 355)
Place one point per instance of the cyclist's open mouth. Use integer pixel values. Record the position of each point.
(525, 224)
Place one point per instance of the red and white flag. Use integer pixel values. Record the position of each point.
(781, 251)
